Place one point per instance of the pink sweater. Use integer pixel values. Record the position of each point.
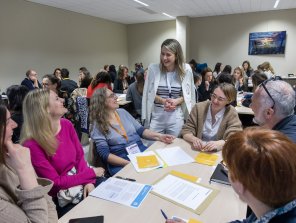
(68, 154)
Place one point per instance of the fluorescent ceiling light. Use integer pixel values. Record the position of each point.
(168, 15)
(141, 2)
(276, 4)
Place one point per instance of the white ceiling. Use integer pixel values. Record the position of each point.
(130, 12)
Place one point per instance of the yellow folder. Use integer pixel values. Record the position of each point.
(206, 159)
(147, 161)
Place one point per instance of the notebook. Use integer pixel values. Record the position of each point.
(95, 219)
(220, 175)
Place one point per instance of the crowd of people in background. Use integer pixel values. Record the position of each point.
(169, 99)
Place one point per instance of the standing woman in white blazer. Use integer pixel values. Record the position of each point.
(168, 91)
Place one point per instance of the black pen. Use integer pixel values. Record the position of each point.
(122, 178)
(163, 214)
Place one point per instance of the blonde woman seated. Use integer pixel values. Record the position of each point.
(210, 123)
(56, 151)
(115, 132)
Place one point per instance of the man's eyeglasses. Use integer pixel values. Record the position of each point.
(220, 99)
(263, 84)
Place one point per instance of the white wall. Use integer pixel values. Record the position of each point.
(144, 41)
(225, 39)
(43, 38)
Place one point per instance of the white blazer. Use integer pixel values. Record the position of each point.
(150, 89)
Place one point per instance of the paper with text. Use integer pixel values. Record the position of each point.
(133, 159)
(174, 156)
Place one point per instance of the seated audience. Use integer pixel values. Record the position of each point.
(273, 105)
(84, 77)
(267, 69)
(227, 69)
(67, 85)
(115, 132)
(23, 197)
(240, 80)
(269, 159)
(210, 123)
(56, 152)
(57, 72)
(207, 84)
(218, 69)
(51, 82)
(135, 92)
(247, 68)
(16, 95)
(31, 81)
(112, 72)
(121, 82)
(102, 79)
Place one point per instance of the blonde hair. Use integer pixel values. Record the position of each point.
(175, 47)
(37, 122)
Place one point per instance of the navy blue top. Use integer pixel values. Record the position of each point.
(287, 126)
(115, 143)
(29, 84)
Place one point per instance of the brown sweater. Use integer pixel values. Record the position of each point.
(194, 124)
(18, 205)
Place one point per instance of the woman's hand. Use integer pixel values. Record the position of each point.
(213, 146)
(99, 171)
(87, 189)
(171, 103)
(197, 143)
(166, 138)
(18, 158)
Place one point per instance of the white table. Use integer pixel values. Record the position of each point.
(224, 208)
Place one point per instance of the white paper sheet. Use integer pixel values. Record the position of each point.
(133, 159)
(122, 191)
(174, 156)
(182, 191)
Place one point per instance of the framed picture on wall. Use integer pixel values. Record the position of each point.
(261, 43)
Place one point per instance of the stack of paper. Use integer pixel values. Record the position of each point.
(145, 161)
(206, 159)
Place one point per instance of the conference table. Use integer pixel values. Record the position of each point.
(225, 207)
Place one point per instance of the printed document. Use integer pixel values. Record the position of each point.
(174, 156)
(121, 191)
(133, 159)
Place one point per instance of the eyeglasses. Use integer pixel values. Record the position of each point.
(264, 87)
(113, 96)
(220, 99)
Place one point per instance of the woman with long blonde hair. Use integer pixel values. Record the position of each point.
(169, 92)
(54, 145)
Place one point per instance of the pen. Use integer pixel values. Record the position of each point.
(122, 178)
(163, 214)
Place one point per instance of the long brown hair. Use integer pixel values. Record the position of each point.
(140, 81)
(98, 110)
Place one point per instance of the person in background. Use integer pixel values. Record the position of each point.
(193, 65)
(218, 69)
(106, 68)
(135, 92)
(57, 72)
(210, 123)
(102, 79)
(56, 152)
(16, 95)
(224, 78)
(240, 79)
(115, 132)
(51, 82)
(31, 81)
(207, 84)
(67, 84)
(268, 158)
(247, 68)
(197, 78)
(168, 91)
(23, 197)
(227, 69)
(112, 72)
(85, 78)
(273, 105)
(121, 82)
(267, 69)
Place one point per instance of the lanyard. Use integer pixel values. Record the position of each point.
(122, 132)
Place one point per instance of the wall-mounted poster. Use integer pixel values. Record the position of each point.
(267, 43)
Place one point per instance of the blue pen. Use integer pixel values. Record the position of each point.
(163, 214)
